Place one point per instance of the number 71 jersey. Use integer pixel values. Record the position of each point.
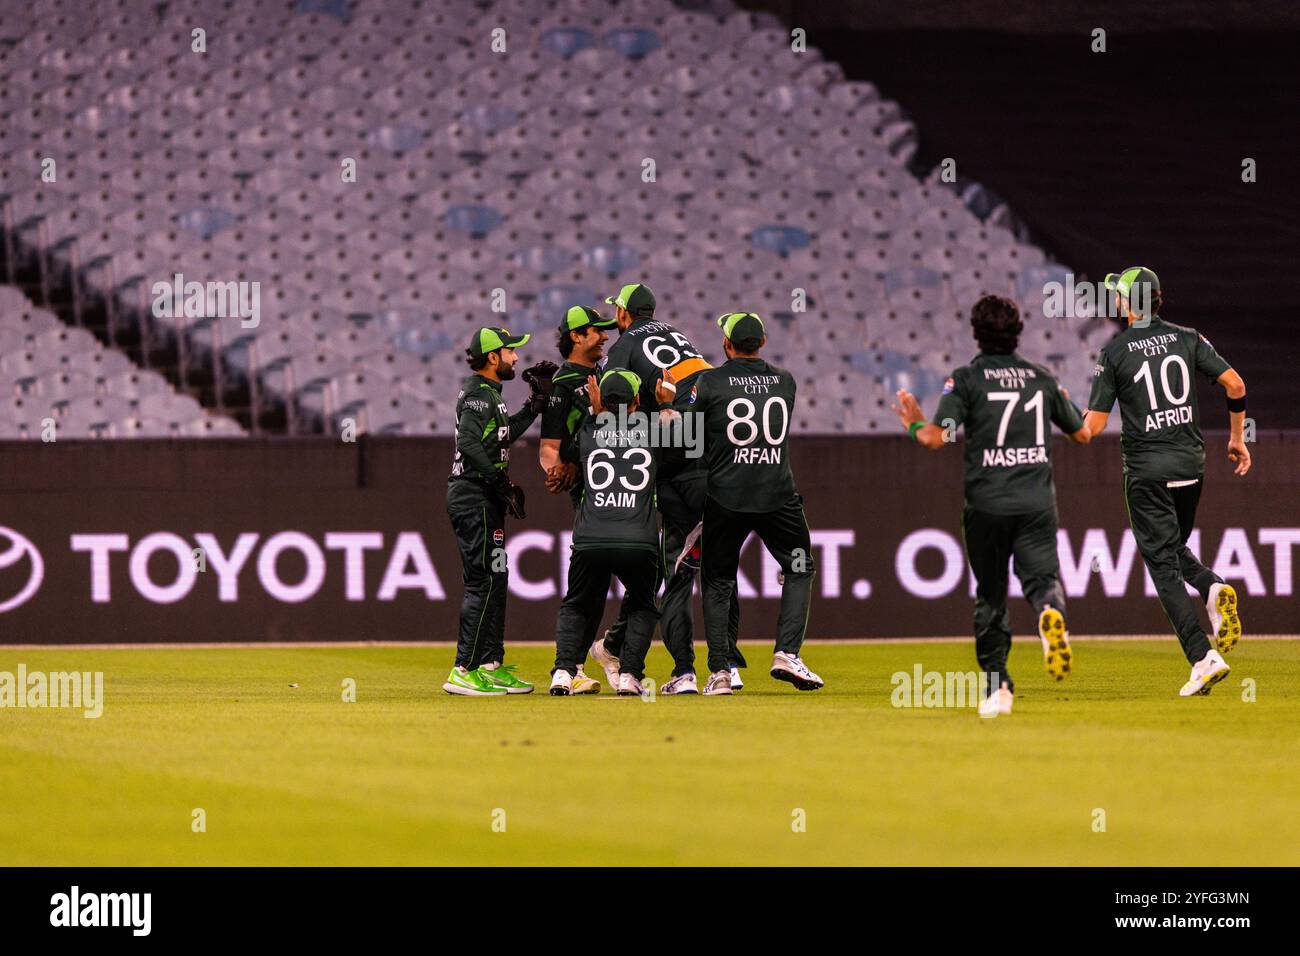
(1149, 369)
(747, 406)
(1006, 404)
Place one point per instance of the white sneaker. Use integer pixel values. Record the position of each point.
(561, 684)
(719, 682)
(1222, 605)
(1207, 672)
(736, 682)
(608, 662)
(629, 686)
(681, 684)
(997, 703)
(789, 668)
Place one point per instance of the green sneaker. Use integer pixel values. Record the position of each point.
(471, 684)
(503, 676)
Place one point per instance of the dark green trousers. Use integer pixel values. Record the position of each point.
(681, 502)
(479, 522)
(589, 577)
(785, 534)
(1162, 519)
(992, 541)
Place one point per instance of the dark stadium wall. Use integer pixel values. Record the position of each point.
(305, 540)
(1131, 156)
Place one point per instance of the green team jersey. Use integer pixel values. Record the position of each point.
(1004, 403)
(568, 407)
(485, 429)
(747, 406)
(648, 347)
(1149, 369)
(618, 499)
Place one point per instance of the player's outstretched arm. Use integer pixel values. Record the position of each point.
(1237, 451)
(909, 413)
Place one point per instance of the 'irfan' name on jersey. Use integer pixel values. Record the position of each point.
(1010, 457)
(757, 456)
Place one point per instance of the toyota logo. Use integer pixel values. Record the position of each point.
(18, 547)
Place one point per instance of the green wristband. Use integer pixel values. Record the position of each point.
(915, 427)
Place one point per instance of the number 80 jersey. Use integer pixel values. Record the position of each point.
(1007, 405)
(747, 406)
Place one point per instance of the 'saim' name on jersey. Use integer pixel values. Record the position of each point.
(1010, 457)
(757, 455)
(1164, 417)
(614, 499)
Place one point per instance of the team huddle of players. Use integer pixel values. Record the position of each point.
(647, 511)
(671, 463)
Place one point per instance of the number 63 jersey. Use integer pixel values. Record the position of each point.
(1005, 403)
(1149, 368)
(619, 468)
(747, 406)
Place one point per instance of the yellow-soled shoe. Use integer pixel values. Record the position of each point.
(582, 684)
(1056, 643)
(1224, 621)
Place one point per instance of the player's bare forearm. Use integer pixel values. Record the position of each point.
(1095, 422)
(1235, 388)
(1082, 436)
(928, 435)
(548, 453)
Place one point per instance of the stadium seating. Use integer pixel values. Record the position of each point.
(689, 149)
(60, 382)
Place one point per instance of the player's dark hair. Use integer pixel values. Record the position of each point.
(747, 346)
(997, 325)
(476, 363)
(564, 342)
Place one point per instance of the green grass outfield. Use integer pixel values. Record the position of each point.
(409, 775)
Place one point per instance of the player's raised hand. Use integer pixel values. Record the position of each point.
(593, 393)
(1239, 453)
(666, 390)
(907, 408)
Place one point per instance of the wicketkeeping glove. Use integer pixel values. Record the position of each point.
(539, 377)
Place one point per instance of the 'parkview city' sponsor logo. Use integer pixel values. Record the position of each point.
(294, 567)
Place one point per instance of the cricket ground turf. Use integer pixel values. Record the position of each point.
(1110, 767)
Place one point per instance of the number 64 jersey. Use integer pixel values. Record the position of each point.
(1006, 405)
(747, 406)
(1149, 368)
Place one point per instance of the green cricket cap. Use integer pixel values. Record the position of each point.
(1124, 282)
(618, 386)
(490, 338)
(636, 299)
(579, 317)
(741, 325)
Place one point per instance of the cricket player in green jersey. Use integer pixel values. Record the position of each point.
(479, 495)
(1148, 367)
(615, 532)
(659, 353)
(581, 343)
(1004, 403)
(747, 406)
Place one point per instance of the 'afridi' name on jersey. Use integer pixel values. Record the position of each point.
(1148, 368)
